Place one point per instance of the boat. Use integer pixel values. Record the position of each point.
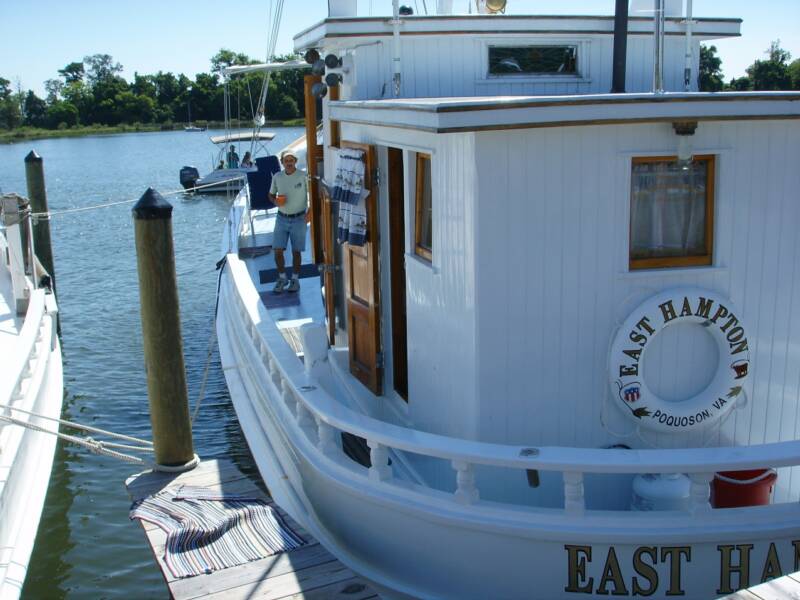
(31, 387)
(562, 360)
(226, 177)
(193, 128)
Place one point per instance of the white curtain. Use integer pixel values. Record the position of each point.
(668, 209)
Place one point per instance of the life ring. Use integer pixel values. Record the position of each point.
(683, 305)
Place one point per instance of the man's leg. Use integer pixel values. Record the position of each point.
(279, 238)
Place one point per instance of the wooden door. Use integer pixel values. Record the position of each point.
(362, 289)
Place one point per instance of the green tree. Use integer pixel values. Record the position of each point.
(101, 67)
(773, 73)
(226, 58)
(740, 84)
(794, 74)
(53, 87)
(710, 76)
(134, 108)
(35, 110)
(73, 72)
(10, 114)
(62, 112)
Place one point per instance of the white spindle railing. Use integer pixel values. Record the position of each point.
(316, 411)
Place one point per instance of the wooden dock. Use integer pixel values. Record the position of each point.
(784, 588)
(309, 572)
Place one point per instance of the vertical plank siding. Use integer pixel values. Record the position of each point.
(460, 63)
(552, 280)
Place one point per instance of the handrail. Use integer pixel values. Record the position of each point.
(566, 459)
(27, 339)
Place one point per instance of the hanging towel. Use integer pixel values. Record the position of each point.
(349, 191)
(349, 175)
(209, 530)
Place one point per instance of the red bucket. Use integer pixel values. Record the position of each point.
(731, 489)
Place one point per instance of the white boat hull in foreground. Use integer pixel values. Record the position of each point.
(31, 379)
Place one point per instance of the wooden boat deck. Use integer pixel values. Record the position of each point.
(310, 572)
(784, 588)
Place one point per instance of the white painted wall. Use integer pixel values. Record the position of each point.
(456, 65)
(552, 281)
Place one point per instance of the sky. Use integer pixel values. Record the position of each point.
(181, 36)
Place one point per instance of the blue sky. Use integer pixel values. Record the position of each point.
(180, 36)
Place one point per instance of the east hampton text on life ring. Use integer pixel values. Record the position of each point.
(701, 307)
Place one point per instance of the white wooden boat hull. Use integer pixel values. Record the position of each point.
(27, 457)
(415, 541)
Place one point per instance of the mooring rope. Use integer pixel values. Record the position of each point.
(94, 446)
(51, 213)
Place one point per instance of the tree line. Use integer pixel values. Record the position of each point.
(774, 73)
(92, 92)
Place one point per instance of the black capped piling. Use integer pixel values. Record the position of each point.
(161, 333)
(37, 194)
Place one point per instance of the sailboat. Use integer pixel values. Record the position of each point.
(545, 343)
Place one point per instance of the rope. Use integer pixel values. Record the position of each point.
(81, 426)
(94, 446)
(47, 215)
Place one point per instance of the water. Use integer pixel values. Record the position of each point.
(86, 546)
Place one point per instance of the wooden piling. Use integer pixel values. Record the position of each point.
(161, 332)
(37, 194)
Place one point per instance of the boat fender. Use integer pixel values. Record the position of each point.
(680, 305)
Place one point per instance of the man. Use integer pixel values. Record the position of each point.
(289, 191)
(233, 158)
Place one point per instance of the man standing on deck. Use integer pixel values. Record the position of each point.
(289, 191)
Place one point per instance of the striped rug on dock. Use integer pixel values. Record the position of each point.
(209, 530)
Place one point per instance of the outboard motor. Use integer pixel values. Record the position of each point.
(189, 176)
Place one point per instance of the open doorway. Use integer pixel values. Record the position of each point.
(397, 251)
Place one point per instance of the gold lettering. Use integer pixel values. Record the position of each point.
(772, 567)
(638, 338)
(644, 323)
(634, 354)
(668, 311)
(612, 573)
(645, 570)
(704, 307)
(576, 566)
(732, 320)
(727, 568)
(686, 311)
(722, 312)
(740, 347)
(675, 554)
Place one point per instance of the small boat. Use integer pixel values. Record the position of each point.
(546, 339)
(226, 178)
(191, 127)
(31, 384)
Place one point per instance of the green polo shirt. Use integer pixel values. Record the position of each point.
(294, 187)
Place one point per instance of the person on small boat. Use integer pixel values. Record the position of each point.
(289, 191)
(221, 165)
(233, 158)
(247, 161)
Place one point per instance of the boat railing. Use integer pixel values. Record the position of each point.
(314, 409)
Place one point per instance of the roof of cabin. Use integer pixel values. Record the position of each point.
(354, 27)
(449, 115)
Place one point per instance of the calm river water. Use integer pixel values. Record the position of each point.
(86, 546)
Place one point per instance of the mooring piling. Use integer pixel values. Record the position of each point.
(37, 195)
(161, 332)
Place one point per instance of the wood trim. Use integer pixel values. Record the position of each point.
(312, 156)
(419, 249)
(582, 123)
(336, 130)
(705, 259)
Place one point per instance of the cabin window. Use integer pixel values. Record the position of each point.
(672, 212)
(533, 60)
(423, 223)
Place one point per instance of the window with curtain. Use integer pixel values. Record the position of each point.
(423, 223)
(533, 60)
(672, 212)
